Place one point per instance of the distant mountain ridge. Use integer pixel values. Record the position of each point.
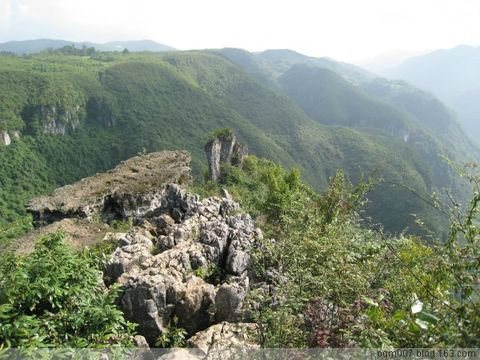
(38, 45)
(345, 91)
(453, 75)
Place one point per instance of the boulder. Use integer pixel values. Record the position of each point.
(229, 300)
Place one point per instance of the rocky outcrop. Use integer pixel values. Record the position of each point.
(58, 121)
(187, 259)
(223, 338)
(224, 149)
(16, 134)
(133, 187)
(185, 262)
(5, 138)
(220, 341)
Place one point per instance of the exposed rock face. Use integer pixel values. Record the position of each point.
(5, 138)
(184, 263)
(162, 264)
(240, 152)
(224, 149)
(213, 151)
(58, 121)
(135, 186)
(221, 337)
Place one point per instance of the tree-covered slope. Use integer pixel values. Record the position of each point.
(450, 74)
(77, 115)
(331, 100)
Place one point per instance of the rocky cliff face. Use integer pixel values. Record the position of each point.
(58, 121)
(185, 262)
(5, 138)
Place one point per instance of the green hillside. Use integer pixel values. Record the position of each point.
(78, 115)
(331, 100)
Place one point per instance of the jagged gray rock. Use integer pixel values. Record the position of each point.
(166, 274)
(224, 149)
(132, 188)
(213, 150)
(229, 300)
(221, 339)
(240, 152)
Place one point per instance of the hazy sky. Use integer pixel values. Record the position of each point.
(349, 30)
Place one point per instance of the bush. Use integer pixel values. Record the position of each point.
(55, 297)
(339, 283)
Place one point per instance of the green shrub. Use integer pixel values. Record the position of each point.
(173, 336)
(342, 283)
(54, 297)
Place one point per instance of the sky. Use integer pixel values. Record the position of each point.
(347, 30)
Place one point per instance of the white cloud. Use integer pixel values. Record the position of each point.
(349, 30)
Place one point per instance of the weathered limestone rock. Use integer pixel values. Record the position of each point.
(133, 187)
(185, 262)
(57, 121)
(140, 342)
(240, 152)
(224, 149)
(213, 151)
(229, 300)
(136, 249)
(227, 143)
(223, 338)
(161, 278)
(220, 341)
(5, 138)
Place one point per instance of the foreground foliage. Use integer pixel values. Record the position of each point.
(341, 284)
(55, 297)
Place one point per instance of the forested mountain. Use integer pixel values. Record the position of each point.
(35, 46)
(66, 117)
(451, 74)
